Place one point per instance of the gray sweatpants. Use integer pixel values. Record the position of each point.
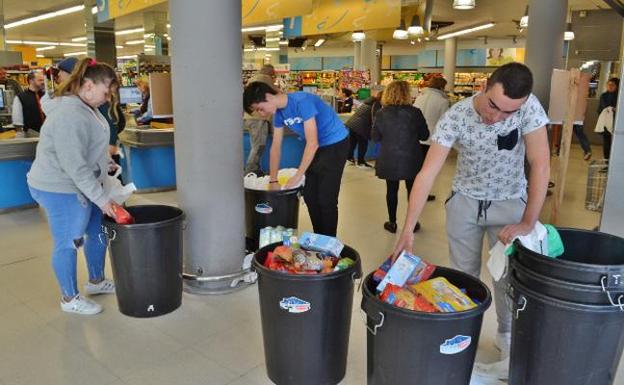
(467, 221)
(258, 132)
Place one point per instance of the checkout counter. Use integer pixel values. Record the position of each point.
(16, 157)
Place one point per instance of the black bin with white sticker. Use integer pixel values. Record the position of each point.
(412, 347)
(269, 208)
(146, 259)
(306, 321)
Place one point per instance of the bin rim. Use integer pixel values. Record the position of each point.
(373, 299)
(276, 192)
(180, 217)
(354, 271)
(578, 266)
(523, 290)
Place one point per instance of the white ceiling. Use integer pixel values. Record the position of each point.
(63, 28)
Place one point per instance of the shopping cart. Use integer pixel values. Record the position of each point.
(596, 184)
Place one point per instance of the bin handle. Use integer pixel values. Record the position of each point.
(105, 231)
(619, 300)
(522, 304)
(357, 280)
(373, 331)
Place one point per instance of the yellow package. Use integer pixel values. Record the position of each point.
(443, 295)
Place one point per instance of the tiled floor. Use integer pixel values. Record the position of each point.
(212, 340)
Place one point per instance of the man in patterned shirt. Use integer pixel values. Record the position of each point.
(492, 132)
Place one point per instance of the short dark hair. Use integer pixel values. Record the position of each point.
(347, 92)
(615, 81)
(516, 79)
(254, 93)
(32, 75)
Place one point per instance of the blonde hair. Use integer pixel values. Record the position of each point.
(88, 68)
(397, 93)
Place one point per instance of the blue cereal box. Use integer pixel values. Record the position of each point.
(401, 270)
(321, 243)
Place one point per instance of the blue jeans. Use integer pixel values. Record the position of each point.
(582, 138)
(71, 217)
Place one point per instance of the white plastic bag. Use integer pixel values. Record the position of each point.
(254, 182)
(115, 190)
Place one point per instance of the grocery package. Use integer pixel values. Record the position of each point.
(269, 235)
(422, 271)
(444, 295)
(321, 243)
(255, 182)
(122, 216)
(407, 299)
(294, 260)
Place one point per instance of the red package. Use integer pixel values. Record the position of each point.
(421, 304)
(405, 298)
(122, 216)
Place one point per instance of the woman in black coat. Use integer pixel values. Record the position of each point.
(399, 127)
(608, 99)
(360, 126)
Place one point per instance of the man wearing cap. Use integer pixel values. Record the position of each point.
(63, 69)
(27, 113)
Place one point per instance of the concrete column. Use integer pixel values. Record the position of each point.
(357, 55)
(100, 37)
(605, 73)
(209, 140)
(369, 59)
(544, 44)
(2, 30)
(155, 24)
(450, 62)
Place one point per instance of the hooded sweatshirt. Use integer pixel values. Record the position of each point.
(72, 154)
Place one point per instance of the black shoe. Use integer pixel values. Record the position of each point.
(417, 227)
(551, 184)
(390, 227)
(364, 165)
(431, 198)
(351, 161)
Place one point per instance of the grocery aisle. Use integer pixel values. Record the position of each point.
(210, 340)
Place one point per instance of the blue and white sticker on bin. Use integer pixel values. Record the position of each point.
(456, 344)
(264, 208)
(295, 305)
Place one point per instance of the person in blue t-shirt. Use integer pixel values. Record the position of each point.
(325, 153)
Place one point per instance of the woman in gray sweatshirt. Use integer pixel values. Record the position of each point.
(66, 179)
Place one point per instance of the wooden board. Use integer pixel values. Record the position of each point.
(160, 94)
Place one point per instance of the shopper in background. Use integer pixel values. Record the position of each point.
(325, 151)
(492, 132)
(608, 99)
(258, 127)
(144, 114)
(116, 124)
(360, 126)
(399, 127)
(8, 83)
(66, 179)
(27, 113)
(433, 102)
(63, 69)
(346, 101)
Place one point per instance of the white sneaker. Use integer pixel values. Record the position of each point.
(81, 305)
(497, 371)
(107, 286)
(503, 343)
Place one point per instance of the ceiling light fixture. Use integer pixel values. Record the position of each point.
(44, 16)
(358, 36)
(568, 35)
(135, 42)
(464, 4)
(127, 57)
(415, 27)
(524, 20)
(40, 56)
(73, 44)
(319, 42)
(119, 46)
(466, 31)
(45, 48)
(283, 42)
(129, 31)
(268, 28)
(81, 38)
(270, 39)
(400, 33)
(74, 53)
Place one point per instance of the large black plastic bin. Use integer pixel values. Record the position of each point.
(568, 325)
(269, 208)
(146, 258)
(412, 347)
(306, 321)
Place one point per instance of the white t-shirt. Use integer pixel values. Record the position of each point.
(484, 171)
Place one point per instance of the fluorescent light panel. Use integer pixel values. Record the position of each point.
(466, 31)
(45, 48)
(268, 28)
(129, 31)
(127, 57)
(75, 53)
(135, 42)
(319, 42)
(81, 38)
(44, 16)
(40, 56)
